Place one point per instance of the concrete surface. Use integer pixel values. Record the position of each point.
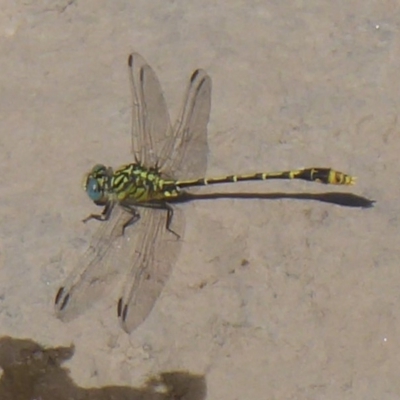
(269, 299)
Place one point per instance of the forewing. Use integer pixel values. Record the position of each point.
(185, 156)
(151, 126)
(94, 271)
(153, 258)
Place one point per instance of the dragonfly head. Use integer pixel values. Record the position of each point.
(97, 183)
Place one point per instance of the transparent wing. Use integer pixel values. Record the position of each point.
(185, 155)
(154, 255)
(96, 269)
(149, 251)
(151, 126)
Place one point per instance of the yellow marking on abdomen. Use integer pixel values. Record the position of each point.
(322, 175)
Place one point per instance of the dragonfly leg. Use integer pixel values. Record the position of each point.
(133, 219)
(104, 216)
(170, 214)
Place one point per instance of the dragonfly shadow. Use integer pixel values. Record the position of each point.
(338, 198)
(31, 371)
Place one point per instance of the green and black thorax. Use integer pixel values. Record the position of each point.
(130, 184)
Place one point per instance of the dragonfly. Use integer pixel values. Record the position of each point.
(139, 229)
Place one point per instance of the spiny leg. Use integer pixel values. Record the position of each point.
(133, 219)
(104, 216)
(170, 214)
(162, 205)
(156, 205)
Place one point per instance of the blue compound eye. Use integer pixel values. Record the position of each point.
(93, 189)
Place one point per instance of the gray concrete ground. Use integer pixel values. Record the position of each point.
(269, 299)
